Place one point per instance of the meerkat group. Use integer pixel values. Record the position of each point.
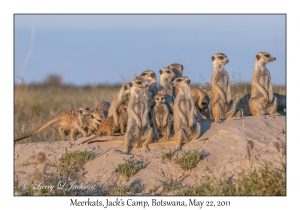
(144, 110)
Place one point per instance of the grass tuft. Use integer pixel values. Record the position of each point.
(129, 168)
(189, 159)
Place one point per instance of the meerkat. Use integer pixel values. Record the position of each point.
(65, 119)
(184, 126)
(150, 77)
(81, 123)
(262, 101)
(165, 87)
(162, 117)
(103, 106)
(119, 99)
(138, 131)
(281, 104)
(107, 125)
(201, 100)
(223, 107)
(95, 120)
(177, 70)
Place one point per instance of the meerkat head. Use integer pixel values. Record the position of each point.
(264, 57)
(126, 89)
(160, 98)
(137, 84)
(97, 116)
(181, 82)
(84, 110)
(219, 60)
(148, 76)
(176, 67)
(167, 73)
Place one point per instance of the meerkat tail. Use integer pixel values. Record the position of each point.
(90, 139)
(40, 129)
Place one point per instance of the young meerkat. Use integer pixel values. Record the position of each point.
(65, 119)
(184, 126)
(163, 118)
(223, 107)
(107, 125)
(262, 101)
(119, 99)
(138, 131)
(81, 123)
(95, 119)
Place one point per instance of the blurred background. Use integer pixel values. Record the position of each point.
(85, 50)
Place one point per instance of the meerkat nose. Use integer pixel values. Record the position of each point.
(274, 58)
(146, 85)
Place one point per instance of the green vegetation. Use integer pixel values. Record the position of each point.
(189, 159)
(129, 168)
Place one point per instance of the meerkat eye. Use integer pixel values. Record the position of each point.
(168, 72)
(143, 74)
(267, 56)
(179, 80)
(87, 109)
(139, 83)
(221, 57)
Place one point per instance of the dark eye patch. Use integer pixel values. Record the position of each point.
(139, 83)
(143, 74)
(221, 57)
(179, 80)
(267, 55)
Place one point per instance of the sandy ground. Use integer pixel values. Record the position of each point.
(224, 146)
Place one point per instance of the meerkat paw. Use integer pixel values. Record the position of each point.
(147, 148)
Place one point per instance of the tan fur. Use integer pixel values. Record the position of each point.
(201, 100)
(165, 87)
(118, 100)
(184, 126)
(65, 119)
(151, 91)
(177, 70)
(223, 107)
(95, 119)
(163, 118)
(106, 128)
(262, 100)
(244, 104)
(81, 123)
(103, 106)
(138, 131)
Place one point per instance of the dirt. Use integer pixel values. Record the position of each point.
(224, 148)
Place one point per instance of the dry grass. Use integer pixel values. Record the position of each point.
(34, 105)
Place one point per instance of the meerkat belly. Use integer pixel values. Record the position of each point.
(160, 116)
(223, 82)
(264, 81)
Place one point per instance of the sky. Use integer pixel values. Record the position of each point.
(111, 49)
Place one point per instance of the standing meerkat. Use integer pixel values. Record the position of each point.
(223, 107)
(162, 117)
(262, 101)
(65, 119)
(150, 77)
(119, 99)
(138, 131)
(165, 87)
(107, 125)
(184, 127)
(177, 70)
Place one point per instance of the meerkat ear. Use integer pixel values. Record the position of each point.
(130, 84)
(126, 87)
(213, 58)
(188, 81)
(165, 98)
(181, 67)
(152, 75)
(92, 116)
(257, 57)
(160, 71)
(80, 111)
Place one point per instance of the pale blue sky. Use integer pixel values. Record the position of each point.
(109, 49)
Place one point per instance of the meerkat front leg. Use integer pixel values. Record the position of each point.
(146, 138)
